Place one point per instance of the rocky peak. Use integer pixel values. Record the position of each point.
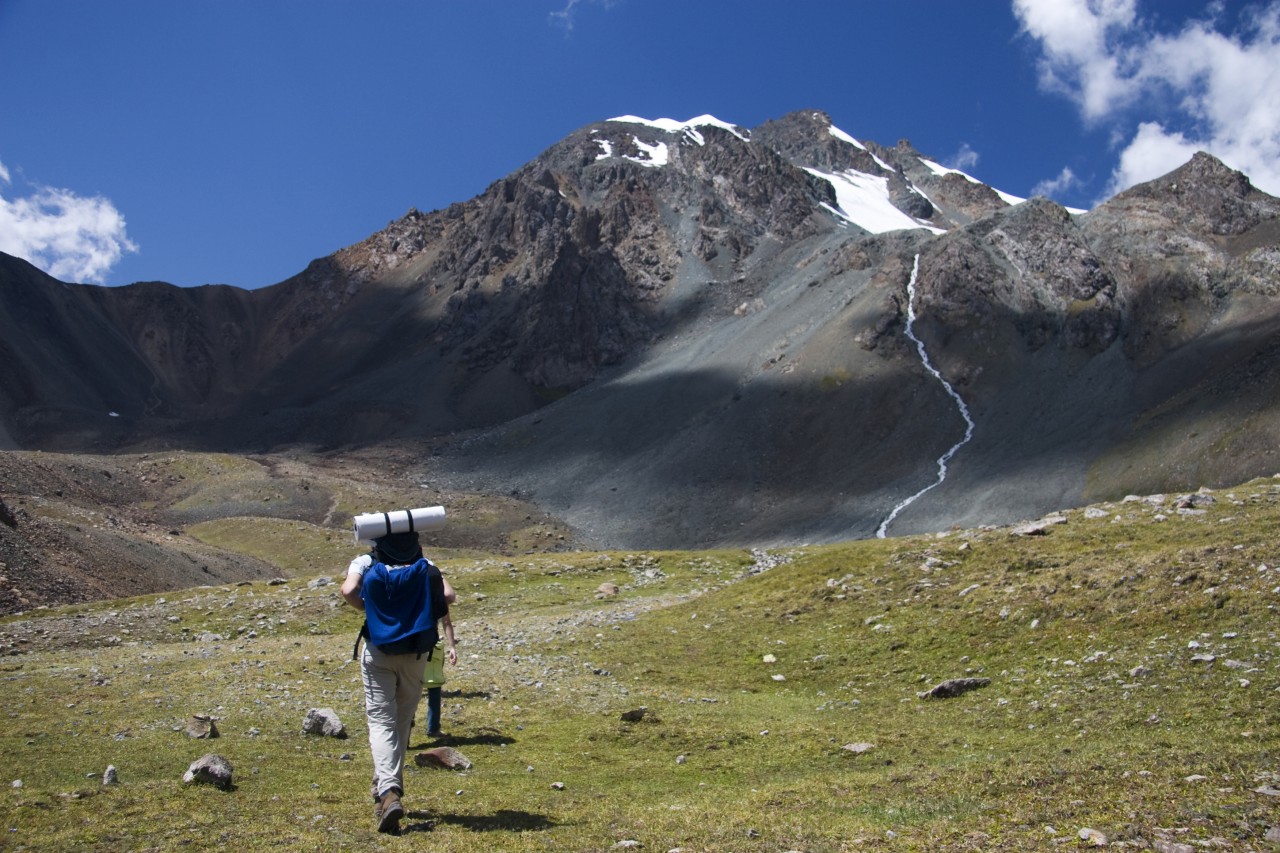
(1204, 194)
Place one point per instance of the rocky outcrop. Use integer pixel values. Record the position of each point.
(716, 333)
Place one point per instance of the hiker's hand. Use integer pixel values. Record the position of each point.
(453, 656)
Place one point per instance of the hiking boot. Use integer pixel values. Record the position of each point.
(388, 812)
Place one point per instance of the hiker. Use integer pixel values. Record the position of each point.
(435, 671)
(393, 585)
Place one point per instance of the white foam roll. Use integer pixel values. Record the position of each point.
(371, 525)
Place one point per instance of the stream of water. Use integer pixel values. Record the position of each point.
(964, 410)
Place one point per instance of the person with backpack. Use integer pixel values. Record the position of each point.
(402, 595)
(434, 678)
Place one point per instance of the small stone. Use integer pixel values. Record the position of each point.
(635, 715)
(606, 590)
(1162, 846)
(778, 677)
(557, 786)
(681, 759)
(1273, 834)
(210, 770)
(323, 721)
(110, 776)
(954, 687)
(201, 726)
(1093, 837)
(769, 659)
(1195, 777)
(445, 757)
(627, 844)
(1039, 528)
(858, 748)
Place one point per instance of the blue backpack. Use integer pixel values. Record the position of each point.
(400, 608)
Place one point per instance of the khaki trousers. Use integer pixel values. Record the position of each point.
(392, 688)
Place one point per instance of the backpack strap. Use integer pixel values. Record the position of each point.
(363, 635)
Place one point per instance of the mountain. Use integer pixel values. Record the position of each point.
(690, 333)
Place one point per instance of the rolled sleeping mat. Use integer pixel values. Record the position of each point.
(372, 525)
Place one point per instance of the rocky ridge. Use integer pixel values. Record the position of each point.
(672, 334)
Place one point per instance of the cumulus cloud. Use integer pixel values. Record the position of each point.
(964, 159)
(1050, 188)
(71, 237)
(1169, 94)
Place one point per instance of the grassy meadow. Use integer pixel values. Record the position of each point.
(1132, 653)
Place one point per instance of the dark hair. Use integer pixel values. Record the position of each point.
(397, 549)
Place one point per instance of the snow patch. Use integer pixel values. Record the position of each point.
(652, 156)
(844, 137)
(864, 200)
(672, 126)
(939, 169)
(606, 149)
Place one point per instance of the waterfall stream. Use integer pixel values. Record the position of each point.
(964, 410)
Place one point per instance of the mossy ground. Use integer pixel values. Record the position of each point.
(1103, 708)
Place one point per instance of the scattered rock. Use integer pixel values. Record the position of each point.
(110, 776)
(1162, 846)
(858, 748)
(323, 721)
(606, 590)
(954, 687)
(1267, 791)
(1039, 528)
(201, 726)
(210, 770)
(1273, 834)
(316, 583)
(1093, 837)
(557, 786)
(444, 757)
(635, 715)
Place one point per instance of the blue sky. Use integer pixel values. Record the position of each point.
(196, 142)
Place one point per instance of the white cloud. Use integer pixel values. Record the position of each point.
(964, 159)
(1080, 52)
(1051, 187)
(565, 17)
(71, 237)
(1170, 94)
(1152, 152)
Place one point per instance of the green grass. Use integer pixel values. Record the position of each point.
(1070, 733)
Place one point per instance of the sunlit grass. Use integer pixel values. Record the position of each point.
(1103, 709)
